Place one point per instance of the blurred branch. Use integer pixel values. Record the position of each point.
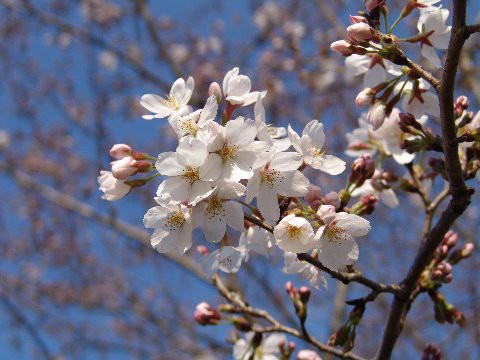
(162, 50)
(83, 34)
(29, 327)
(69, 203)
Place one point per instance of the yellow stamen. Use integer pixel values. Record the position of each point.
(191, 174)
(174, 221)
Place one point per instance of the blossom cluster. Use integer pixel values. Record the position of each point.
(233, 174)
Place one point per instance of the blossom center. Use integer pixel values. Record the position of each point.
(335, 233)
(171, 102)
(174, 221)
(316, 152)
(293, 232)
(270, 176)
(214, 207)
(191, 174)
(189, 126)
(227, 152)
(226, 262)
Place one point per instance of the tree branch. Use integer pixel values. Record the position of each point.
(460, 193)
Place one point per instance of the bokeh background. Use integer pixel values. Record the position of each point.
(78, 278)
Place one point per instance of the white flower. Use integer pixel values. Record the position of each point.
(294, 234)
(375, 68)
(214, 213)
(271, 135)
(227, 259)
(377, 188)
(258, 240)
(235, 148)
(306, 270)
(112, 188)
(172, 227)
(336, 237)
(236, 89)
(310, 147)
(174, 104)
(275, 173)
(418, 100)
(268, 349)
(390, 137)
(362, 140)
(191, 124)
(190, 169)
(435, 34)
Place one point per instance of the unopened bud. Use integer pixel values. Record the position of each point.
(377, 114)
(461, 254)
(314, 196)
(332, 198)
(241, 324)
(355, 19)
(360, 32)
(304, 294)
(205, 315)
(406, 121)
(363, 168)
(438, 165)
(119, 151)
(412, 145)
(431, 352)
(460, 105)
(289, 288)
(143, 166)
(214, 89)
(123, 168)
(202, 250)
(365, 97)
(368, 204)
(372, 4)
(450, 238)
(342, 47)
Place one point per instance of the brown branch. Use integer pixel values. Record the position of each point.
(355, 276)
(83, 34)
(461, 195)
(276, 326)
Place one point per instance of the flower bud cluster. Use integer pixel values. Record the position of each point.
(345, 336)
(299, 298)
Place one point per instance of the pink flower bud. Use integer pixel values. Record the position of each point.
(291, 346)
(214, 89)
(372, 4)
(363, 168)
(289, 288)
(406, 121)
(360, 32)
(342, 47)
(308, 355)
(123, 168)
(467, 250)
(314, 193)
(304, 294)
(365, 97)
(202, 250)
(355, 19)
(119, 151)
(205, 315)
(460, 105)
(376, 115)
(332, 198)
(450, 238)
(368, 203)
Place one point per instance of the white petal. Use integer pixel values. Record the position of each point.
(252, 187)
(267, 202)
(167, 164)
(286, 161)
(239, 86)
(194, 151)
(353, 224)
(214, 228)
(240, 132)
(178, 90)
(389, 198)
(330, 164)
(294, 183)
(211, 168)
(234, 215)
(294, 139)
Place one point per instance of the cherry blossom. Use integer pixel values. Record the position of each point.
(216, 211)
(294, 234)
(374, 68)
(418, 100)
(268, 349)
(275, 173)
(236, 89)
(271, 135)
(191, 169)
(336, 243)
(124, 167)
(258, 240)
(378, 188)
(175, 103)
(113, 189)
(434, 34)
(235, 148)
(308, 355)
(310, 147)
(227, 259)
(306, 270)
(191, 124)
(172, 226)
